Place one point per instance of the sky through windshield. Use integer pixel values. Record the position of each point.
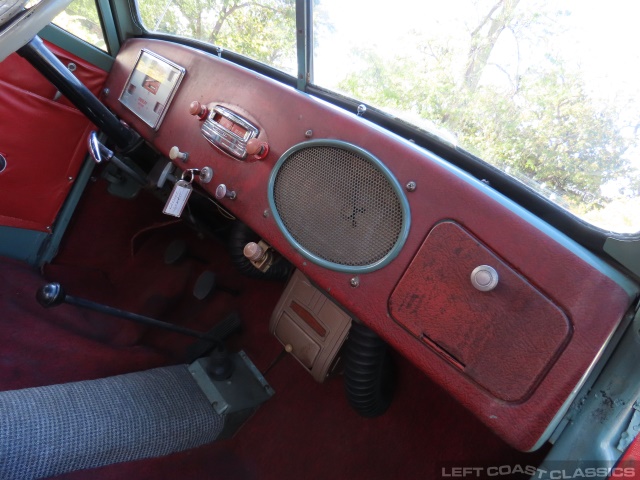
(554, 103)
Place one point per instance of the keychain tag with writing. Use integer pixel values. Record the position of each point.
(179, 195)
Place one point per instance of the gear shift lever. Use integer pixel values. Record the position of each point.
(52, 295)
(219, 365)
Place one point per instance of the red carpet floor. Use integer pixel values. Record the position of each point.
(113, 254)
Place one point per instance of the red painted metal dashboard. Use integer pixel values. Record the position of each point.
(513, 356)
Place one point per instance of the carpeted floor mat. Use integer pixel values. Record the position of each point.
(114, 253)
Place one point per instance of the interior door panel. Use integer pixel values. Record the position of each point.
(43, 139)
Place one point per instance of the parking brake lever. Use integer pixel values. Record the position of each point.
(101, 154)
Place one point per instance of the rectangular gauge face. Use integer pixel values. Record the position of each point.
(230, 125)
(151, 87)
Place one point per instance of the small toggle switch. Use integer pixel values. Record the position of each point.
(176, 154)
(223, 192)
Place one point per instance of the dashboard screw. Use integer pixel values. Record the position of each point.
(354, 282)
(308, 133)
(411, 186)
(265, 214)
(105, 92)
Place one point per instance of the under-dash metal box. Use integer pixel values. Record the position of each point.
(311, 326)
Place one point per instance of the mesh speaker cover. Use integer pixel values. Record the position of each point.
(339, 205)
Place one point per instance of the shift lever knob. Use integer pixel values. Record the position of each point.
(50, 295)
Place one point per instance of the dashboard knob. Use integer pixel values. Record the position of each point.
(257, 149)
(484, 278)
(253, 251)
(222, 192)
(198, 110)
(175, 154)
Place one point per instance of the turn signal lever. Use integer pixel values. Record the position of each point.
(100, 154)
(220, 366)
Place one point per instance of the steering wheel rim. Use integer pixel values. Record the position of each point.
(19, 26)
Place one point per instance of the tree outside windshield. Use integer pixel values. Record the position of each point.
(262, 30)
(545, 90)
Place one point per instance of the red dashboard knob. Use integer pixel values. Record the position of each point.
(198, 110)
(257, 149)
(253, 251)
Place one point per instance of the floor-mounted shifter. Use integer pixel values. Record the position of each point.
(230, 381)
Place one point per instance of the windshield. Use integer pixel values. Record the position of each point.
(546, 91)
(262, 30)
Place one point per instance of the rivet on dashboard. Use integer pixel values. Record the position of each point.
(265, 214)
(71, 179)
(354, 282)
(105, 92)
(308, 133)
(411, 186)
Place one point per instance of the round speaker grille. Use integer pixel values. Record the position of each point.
(339, 205)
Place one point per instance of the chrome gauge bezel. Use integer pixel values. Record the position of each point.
(167, 88)
(223, 138)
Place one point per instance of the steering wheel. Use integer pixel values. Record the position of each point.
(18, 26)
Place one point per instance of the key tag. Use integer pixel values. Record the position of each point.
(179, 195)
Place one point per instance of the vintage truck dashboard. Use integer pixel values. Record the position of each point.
(504, 312)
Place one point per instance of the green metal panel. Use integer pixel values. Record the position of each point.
(77, 46)
(304, 41)
(21, 244)
(51, 243)
(108, 26)
(125, 16)
(627, 252)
